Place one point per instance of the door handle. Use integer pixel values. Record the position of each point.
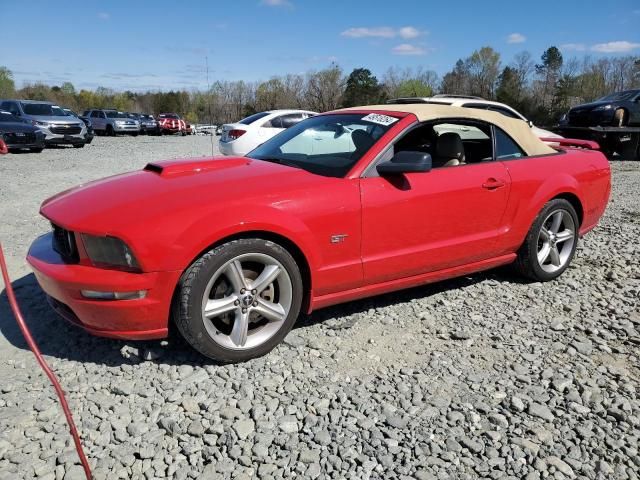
(493, 183)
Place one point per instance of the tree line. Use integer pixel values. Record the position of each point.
(542, 90)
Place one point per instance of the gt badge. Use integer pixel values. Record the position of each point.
(338, 238)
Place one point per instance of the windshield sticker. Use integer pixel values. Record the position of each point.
(385, 120)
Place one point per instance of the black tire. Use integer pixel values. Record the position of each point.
(134, 134)
(527, 262)
(110, 132)
(187, 308)
(36, 150)
(78, 145)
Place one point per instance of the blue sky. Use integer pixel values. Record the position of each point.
(159, 44)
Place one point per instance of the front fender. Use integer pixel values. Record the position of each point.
(225, 223)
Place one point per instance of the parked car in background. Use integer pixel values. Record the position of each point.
(619, 109)
(90, 133)
(20, 135)
(231, 250)
(613, 121)
(58, 127)
(171, 123)
(148, 124)
(112, 122)
(242, 137)
(476, 102)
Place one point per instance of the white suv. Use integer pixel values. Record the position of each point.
(476, 102)
(240, 138)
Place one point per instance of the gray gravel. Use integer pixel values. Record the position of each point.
(480, 377)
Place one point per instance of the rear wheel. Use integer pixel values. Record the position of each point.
(239, 300)
(78, 145)
(551, 242)
(36, 150)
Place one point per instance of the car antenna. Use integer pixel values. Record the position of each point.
(206, 61)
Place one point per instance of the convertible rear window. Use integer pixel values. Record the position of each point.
(327, 145)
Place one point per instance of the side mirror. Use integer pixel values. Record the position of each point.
(405, 162)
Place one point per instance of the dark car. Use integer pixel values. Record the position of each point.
(18, 134)
(148, 124)
(90, 133)
(621, 109)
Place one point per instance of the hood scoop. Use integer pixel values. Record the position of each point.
(170, 168)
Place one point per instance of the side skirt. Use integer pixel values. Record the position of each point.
(402, 283)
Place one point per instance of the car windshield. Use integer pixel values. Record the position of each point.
(43, 109)
(146, 117)
(7, 117)
(169, 115)
(616, 97)
(113, 114)
(252, 118)
(327, 145)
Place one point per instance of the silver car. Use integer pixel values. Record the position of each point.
(59, 127)
(112, 122)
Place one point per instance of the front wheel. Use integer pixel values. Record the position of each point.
(36, 150)
(239, 300)
(78, 145)
(551, 242)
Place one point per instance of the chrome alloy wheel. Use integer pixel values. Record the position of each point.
(246, 301)
(555, 240)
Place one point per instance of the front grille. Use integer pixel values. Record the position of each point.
(64, 242)
(66, 129)
(15, 138)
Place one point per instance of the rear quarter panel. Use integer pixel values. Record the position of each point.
(584, 174)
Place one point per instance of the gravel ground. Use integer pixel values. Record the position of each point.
(480, 377)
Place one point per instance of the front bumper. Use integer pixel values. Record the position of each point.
(52, 139)
(126, 128)
(139, 319)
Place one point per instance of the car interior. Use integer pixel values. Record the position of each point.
(450, 144)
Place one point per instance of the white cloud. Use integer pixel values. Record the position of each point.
(276, 3)
(516, 38)
(104, 16)
(408, 49)
(576, 47)
(615, 47)
(407, 32)
(362, 32)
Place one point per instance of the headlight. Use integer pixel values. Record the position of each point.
(603, 107)
(119, 122)
(40, 124)
(109, 252)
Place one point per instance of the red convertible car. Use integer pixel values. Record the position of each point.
(341, 206)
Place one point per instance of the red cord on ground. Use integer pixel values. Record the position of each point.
(36, 351)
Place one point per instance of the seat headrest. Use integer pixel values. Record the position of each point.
(362, 140)
(449, 145)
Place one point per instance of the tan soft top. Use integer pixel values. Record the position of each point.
(517, 129)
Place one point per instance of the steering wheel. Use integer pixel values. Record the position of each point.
(3, 147)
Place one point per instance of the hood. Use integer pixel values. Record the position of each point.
(175, 190)
(590, 106)
(8, 127)
(55, 119)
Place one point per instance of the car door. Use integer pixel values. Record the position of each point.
(98, 120)
(424, 222)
